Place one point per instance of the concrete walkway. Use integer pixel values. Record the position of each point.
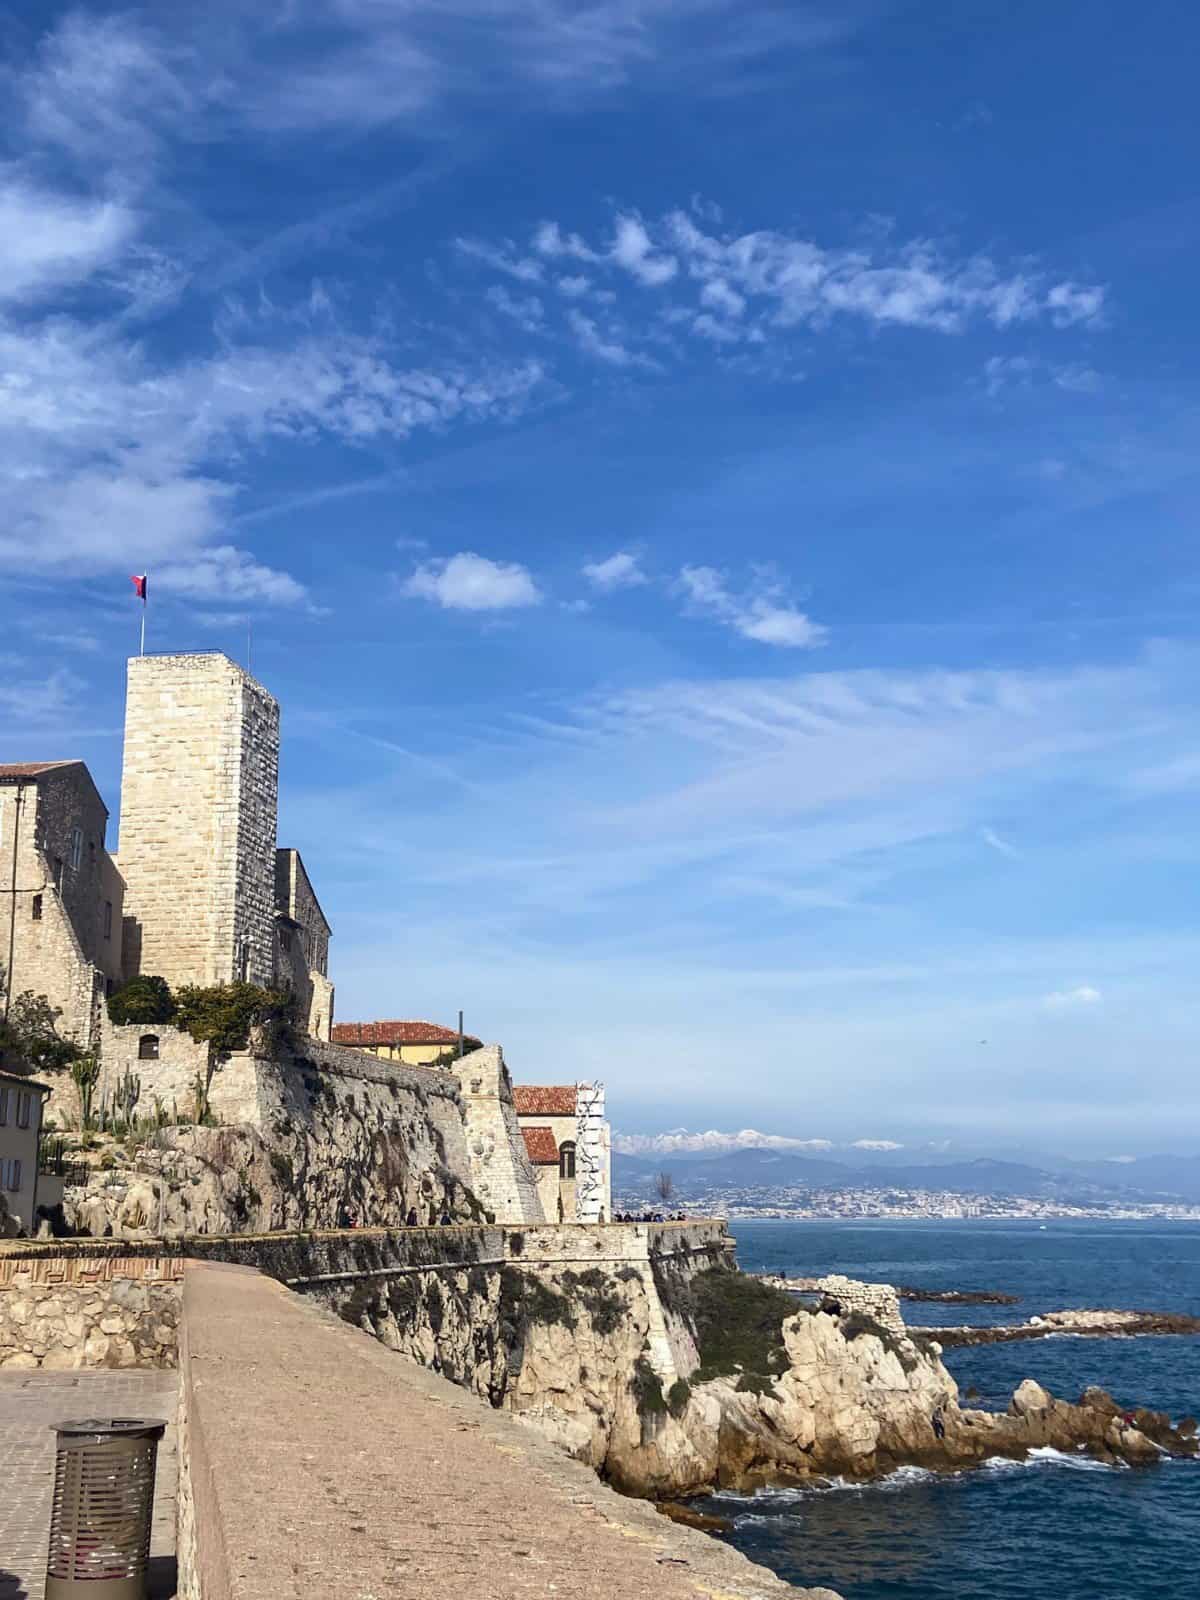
(323, 1464)
(31, 1403)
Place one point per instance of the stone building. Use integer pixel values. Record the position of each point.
(61, 895)
(21, 1102)
(302, 943)
(210, 897)
(568, 1141)
(199, 798)
(200, 892)
(418, 1044)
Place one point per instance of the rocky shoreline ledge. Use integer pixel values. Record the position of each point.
(957, 1297)
(1082, 1324)
(845, 1389)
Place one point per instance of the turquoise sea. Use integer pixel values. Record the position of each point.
(1055, 1526)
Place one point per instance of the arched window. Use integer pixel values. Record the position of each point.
(148, 1047)
(566, 1160)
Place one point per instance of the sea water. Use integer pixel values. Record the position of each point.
(1053, 1526)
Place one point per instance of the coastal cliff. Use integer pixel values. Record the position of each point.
(682, 1374)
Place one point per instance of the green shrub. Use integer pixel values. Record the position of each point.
(857, 1323)
(143, 999)
(647, 1389)
(678, 1396)
(739, 1325)
(595, 1294)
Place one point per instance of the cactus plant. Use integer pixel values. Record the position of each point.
(85, 1074)
(129, 1092)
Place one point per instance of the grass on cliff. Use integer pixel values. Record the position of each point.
(739, 1328)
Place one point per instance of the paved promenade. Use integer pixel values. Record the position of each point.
(30, 1404)
(323, 1464)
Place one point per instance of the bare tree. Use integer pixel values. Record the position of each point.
(664, 1186)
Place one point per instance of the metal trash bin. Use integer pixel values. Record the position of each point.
(103, 1502)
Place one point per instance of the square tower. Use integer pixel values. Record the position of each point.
(199, 805)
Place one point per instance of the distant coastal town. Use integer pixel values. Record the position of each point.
(914, 1205)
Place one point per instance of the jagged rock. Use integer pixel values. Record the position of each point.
(1029, 1397)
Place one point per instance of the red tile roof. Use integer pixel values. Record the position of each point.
(539, 1142)
(32, 769)
(372, 1033)
(544, 1100)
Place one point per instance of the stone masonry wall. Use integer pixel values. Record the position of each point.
(198, 804)
(501, 1171)
(311, 1141)
(879, 1301)
(257, 817)
(89, 1303)
(68, 1312)
(61, 951)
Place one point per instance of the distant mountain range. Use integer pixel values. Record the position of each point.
(1148, 1178)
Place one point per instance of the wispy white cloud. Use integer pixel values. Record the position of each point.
(51, 240)
(1001, 846)
(632, 250)
(761, 612)
(620, 571)
(875, 1144)
(225, 573)
(1082, 998)
(606, 346)
(674, 278)
(469, 582)
(504, 257)
(526, 310)
(1023, 372)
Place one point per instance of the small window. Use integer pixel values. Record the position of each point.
(3, 1106)
(36, 908)
(58, 873)
(566, 1160)
(285, 938)
(76, 849)
(148, 1047)
(108, 919)
(24, 1102)
(10, 1174)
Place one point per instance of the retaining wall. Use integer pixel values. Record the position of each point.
(57, 1298)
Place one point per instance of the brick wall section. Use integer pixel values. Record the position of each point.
(199, 792)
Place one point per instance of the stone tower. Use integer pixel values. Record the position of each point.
(199, 802)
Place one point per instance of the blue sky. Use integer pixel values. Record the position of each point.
(713, 486)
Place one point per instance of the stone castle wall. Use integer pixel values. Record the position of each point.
(101, 1303)
(501, 1172)
(198, 819)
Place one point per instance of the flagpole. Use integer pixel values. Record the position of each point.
(145, 586)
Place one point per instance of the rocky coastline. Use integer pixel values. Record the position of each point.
(1103, 1324)
(956, 1297)
(786, 1394)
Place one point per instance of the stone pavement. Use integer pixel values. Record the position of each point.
(31, 1403)
(323, 1464)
